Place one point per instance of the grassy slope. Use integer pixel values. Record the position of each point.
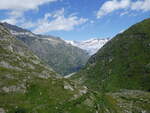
(123, 63)
(28, 86)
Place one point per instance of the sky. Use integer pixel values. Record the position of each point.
(75, 19)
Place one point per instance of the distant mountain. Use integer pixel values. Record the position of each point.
(61, 56)
(91, 46)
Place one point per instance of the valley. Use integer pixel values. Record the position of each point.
(110, 77)
(55, 52)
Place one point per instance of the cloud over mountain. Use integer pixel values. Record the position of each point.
(59, 22)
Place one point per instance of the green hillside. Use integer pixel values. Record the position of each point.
(119, 74)
(28, 86)
(123, 63)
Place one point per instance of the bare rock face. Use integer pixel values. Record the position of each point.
(7, 65)
(68, 86)
(84, 90)
(14, 88)
(9, 76)
(28, 65)
(10, 48)
(2, 110)
(44, 75)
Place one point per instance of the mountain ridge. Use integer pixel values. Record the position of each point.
(115, 79)
(91, 46)
(27, 85)
(62, 57)
(119, 73)
(120, 58)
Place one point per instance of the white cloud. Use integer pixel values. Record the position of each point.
(124, 13)
(22, 5)
(27, 24)
(16, 9)
(58, 22)
(92, 22)
(50, 22)
(113, 5)
(14, 17)
(141, 5)
(12, 21)
(15, 14)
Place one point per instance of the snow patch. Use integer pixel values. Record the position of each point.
(91, 45)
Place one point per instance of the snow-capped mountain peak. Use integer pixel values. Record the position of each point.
(91, 45)
(74, 43)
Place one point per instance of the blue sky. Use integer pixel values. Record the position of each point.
(75, 19)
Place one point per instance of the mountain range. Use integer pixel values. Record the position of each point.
(116, 79)
(91, 46)
(61, 56)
